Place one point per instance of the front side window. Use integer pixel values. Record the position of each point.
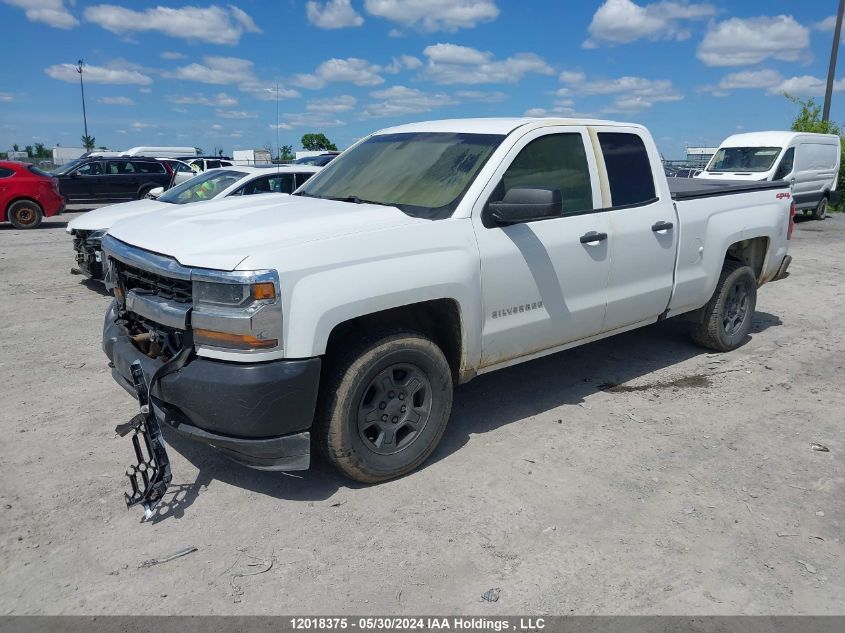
(6, 173)
(424, 174)
(66, 168)
(556, 161)
(744, 159)
(628, 168)
(203, 187)
(277, 183)
(91, 169)
(786, 164)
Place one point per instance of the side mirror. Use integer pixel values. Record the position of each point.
(527, 204)
(155, 193)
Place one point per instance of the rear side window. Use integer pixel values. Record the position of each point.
(212, 164)
(557, 161)
(628, 168)
(786, 164)
(6, 173)
(145, 168)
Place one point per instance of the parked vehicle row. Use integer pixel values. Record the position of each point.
(88, 230)
(344, 315)
(98, 180)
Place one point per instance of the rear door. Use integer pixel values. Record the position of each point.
(543, 284)
(643, 227)
(5, 190)
(121, 180)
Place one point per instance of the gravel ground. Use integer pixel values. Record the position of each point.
(635, 475)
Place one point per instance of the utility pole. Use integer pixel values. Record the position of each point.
(834, 52)
(79, 65)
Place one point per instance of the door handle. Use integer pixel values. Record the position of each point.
(593, 236)
(661, 226)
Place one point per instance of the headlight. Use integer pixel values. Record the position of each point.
(96, 236)
(241, 312)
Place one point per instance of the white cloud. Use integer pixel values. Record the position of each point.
(122, 101)
(571, 77)
(6, 97)
(341, 103)
(453, 64)
(217, 127)
(401, 100)
(750, 79)
(236, 114)
(333, 14)
(213, 24)
(434, 15)
(741, 42)
(353, 70)
(631, 94)
(216, 70)
(623, 21)
(138, 125)
(481, 95)
(312, 120)
(172, 55)
(98, 75)
(562, 111)
(805, 86)
(52, 12)
(221, 99)
(266, 90)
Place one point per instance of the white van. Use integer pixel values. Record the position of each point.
(810, 162)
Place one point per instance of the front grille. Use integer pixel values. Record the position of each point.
(133, 278)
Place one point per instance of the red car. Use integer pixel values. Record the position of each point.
(27, 195)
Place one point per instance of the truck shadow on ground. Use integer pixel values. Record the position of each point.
(487, 403)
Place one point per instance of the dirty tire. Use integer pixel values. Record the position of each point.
(25, 214)
(820, 212)
(727, 317)
(385, 402)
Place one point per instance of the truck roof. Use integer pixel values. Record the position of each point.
(775, 138)
(504, 125)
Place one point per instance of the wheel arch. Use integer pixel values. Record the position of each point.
(5, 211)
(439, 319)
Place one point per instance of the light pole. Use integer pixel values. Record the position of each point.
(79, 65)
(279, 147)
(831, 71)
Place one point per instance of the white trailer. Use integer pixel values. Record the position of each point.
(62, 155)
(252, 156)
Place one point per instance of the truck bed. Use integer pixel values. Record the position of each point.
(690, 188)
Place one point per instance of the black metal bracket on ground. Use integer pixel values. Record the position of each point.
(150, 475)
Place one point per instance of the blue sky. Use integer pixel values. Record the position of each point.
(172, 73)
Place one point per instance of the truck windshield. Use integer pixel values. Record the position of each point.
(424, 174)
(203, 187)
(744, 159)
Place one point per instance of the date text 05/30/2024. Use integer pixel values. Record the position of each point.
(417, 623)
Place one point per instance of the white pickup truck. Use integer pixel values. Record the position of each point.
(423, 256)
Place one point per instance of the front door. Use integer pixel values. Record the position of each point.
(544, 283)
(82, 183)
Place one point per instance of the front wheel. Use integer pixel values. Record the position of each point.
(726, 319)
(384, 406)
(25, 214)
(820, 212)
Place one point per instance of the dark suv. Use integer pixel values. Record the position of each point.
(111, 179)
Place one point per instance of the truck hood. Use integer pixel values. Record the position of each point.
(104, 217)
(221, 234)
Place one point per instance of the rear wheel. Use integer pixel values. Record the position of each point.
(820, 212)
(726, 319)
(25, 214)
(385, 405)
(144, 192)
